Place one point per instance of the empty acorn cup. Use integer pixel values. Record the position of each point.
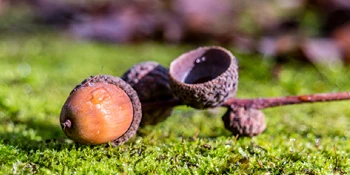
(101, 109)
(204, 77)
(150, 81)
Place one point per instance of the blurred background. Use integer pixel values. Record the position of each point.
(311, 31)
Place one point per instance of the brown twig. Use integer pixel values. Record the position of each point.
(261, 103)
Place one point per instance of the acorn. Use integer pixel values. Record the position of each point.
(244, 122)
(101, 109)
(204, 77)
(150, 81)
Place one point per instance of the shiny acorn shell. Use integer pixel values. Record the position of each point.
(98, 109)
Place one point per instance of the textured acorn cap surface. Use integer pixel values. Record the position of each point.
(204, 77)
(244, 122)
(93, 104)
(150, 81)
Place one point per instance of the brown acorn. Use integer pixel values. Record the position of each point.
(244, 122)
(204, 77)
(150, 81)
(101, 109)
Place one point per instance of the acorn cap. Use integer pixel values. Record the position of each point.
(244, 122)
(150, 81)
(204, 77)
(96, 102)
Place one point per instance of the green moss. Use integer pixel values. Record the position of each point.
(38, 72)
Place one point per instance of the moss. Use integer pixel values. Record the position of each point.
(39, 71)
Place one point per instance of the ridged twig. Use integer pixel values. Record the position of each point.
(262, 103)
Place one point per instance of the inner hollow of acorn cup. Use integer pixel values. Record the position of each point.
(200, 66)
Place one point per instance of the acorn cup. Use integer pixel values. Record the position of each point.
(101, 109)
(204, 77)
(244, 122)
(150, 81)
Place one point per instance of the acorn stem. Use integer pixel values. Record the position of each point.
(66, 124)
(262, 103)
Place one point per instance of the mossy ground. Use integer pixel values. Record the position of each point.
(39, 71)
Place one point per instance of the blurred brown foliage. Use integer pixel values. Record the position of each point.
(317, 31)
